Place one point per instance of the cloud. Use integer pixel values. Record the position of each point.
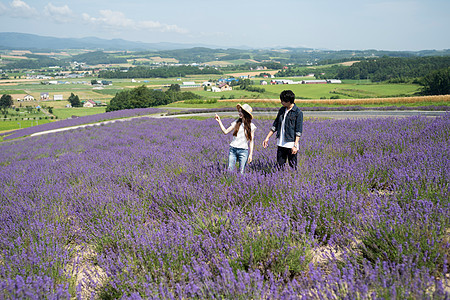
(3, 9)
(18, 8)
(59, 14)
(117, 20)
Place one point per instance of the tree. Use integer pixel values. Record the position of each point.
(74, 100)
(120, 101)
(6, 102)
(142, 96)
(437, 82)
(174, 88)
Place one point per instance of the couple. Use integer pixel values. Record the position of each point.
(288, 125)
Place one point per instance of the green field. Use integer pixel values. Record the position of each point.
(344, 91)
(13, 125)
(64, 113)
(355, 89)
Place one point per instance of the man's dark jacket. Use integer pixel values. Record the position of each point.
(293, 125)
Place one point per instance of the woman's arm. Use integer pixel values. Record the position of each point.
(224, 130)
(252, 144)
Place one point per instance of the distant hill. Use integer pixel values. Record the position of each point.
(181, 53)
(25, 41)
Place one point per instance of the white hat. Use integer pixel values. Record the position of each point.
(247, 108)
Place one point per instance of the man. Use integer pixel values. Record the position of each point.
(289, 127)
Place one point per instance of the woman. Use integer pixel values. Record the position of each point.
(243, 133)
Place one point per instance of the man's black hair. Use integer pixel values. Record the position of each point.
(287, 96)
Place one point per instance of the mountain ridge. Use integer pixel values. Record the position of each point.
(21, 41)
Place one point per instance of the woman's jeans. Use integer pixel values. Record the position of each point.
(237, 154)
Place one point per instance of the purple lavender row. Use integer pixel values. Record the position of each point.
(80, 121)
(146, 210)
(318, 108)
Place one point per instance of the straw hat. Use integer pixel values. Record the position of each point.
(247, 108)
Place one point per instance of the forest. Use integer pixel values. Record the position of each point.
(393, 69)
(388, 68)
(98, 57)
(36, 62)
(162, 72)
(142, 97)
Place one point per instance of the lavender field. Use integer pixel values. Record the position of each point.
(146, 209)
(119, 114)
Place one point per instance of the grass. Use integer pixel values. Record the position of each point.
(346, 91)
(64, 113)
(9, 92)
(13, 125)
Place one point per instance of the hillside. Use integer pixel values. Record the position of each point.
(14, 40)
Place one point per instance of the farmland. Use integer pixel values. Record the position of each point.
(318, 95)
(109, 212)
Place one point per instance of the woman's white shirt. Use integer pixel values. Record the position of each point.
(240, 140)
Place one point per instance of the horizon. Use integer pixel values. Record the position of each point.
(407, 25)
(189, 46)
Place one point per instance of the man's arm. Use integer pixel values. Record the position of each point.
(299, 125)
(298, 132)
(266, 140)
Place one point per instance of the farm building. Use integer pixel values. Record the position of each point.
(45, 96)
(221, 88)
(189, 84)
(89, 103)
(227, 80)
(281, 81)
(225, 87)
(28, 98)
(334, 81)
(314, 82)
(57, 97)
(263, 82)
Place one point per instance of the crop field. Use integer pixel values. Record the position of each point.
(443, 100)
(346, 91)
(12, 125)
(146, 209)
(64, 113)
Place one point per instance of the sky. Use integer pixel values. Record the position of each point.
(326, 24)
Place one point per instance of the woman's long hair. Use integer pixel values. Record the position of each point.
(247, 125)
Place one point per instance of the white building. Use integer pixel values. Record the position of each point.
(334, 81)
(28, 98)
(190, 84)
(45, 96)
(57, 97)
